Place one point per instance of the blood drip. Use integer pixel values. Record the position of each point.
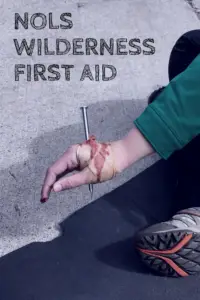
(98, 156)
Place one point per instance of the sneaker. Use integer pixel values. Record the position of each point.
(172, 248)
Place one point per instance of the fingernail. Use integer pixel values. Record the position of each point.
(43, 200)
(57, 187)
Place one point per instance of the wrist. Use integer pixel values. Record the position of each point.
(120, 155)
(130, 149)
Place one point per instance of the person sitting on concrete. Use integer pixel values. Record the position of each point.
(169, 126)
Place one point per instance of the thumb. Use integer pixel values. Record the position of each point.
(78, 179)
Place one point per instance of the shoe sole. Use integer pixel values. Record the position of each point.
(172, 253)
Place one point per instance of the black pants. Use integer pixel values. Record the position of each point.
(186, 162)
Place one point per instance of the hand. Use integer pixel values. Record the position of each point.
(94, 161)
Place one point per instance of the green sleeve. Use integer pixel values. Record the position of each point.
(173, 120)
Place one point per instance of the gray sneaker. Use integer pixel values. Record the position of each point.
(172, 248)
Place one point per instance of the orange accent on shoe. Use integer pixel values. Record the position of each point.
(172, 264)
(156, 253)
(182, 243)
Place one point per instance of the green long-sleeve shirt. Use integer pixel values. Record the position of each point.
(173, 120)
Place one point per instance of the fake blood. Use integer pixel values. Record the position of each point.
(43, 200)
(99, 158)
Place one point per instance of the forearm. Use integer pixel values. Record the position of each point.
(173, 119)
(130, 149)
(166, 125)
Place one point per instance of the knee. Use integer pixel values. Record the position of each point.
(191, 34)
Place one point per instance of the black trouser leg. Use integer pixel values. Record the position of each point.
(187, 160)
(184, 52)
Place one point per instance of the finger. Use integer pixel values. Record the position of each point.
(78, 179)
(49, 180)
(56, 169)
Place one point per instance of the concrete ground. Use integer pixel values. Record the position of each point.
(40, 119)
